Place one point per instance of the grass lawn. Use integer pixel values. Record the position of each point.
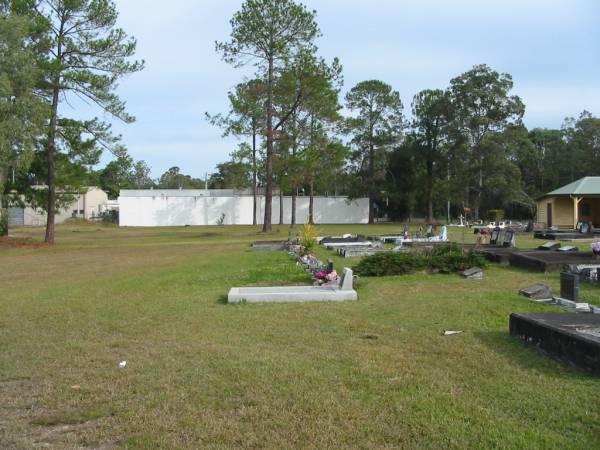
(203, 374)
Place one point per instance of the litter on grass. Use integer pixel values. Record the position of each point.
(451, 332)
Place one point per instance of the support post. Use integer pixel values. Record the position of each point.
(576, 201)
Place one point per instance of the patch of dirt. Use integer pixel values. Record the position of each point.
(10, 242)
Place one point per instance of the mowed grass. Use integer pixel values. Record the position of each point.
(204, 374)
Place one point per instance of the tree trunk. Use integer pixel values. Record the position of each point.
(269, 188)
(294, 185)
(429, 191)
(371, 180)
(3, 202)
(479, 193)
(51, 149)
(294, 196)
(311, 204)
(280, 206)
(254, 176)
(51, 146)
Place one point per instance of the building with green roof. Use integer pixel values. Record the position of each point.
(564, 207)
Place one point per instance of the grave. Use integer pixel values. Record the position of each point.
(573, 337)
(537, 292)
(474, 273)
(337, 291)
(550, 246)
(567, 248)
(545, 261)
(584, 230)
(569, 292)
(499, 255)
(340, 239)
(336, 245)
(269, 246)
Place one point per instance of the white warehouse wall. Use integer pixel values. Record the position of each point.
(178, 210)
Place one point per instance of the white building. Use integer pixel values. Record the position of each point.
(172, 207)
(87, 205)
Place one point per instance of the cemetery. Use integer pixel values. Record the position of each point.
(271, 257)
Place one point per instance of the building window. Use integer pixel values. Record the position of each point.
(585, 209)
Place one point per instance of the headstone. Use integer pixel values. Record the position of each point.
(444, 234)
(346, 280)
(475, 273)
(429, 230)
(549, 246)
(537, 292)
(495, 238)
(510, 239)
(569, 286)
(585, 228)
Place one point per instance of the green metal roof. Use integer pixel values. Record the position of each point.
(583, 186)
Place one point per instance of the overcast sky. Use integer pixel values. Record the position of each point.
(550, 47)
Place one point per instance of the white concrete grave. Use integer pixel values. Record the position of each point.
(337, 292)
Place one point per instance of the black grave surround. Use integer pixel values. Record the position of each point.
(572, 337)
(545, 261)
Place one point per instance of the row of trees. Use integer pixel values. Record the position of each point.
(464, 146)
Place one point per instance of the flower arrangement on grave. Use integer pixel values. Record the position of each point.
(596, 248)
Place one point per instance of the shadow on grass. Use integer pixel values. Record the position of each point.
(222, 300)
(529, 358)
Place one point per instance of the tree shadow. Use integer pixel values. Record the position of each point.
(222, 300)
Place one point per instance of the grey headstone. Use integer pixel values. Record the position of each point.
(510, 239)
(472, 273)
(537, 291)
(585, 228)
(495, 237)
(346, 280)
(549, 246)
(569, 286)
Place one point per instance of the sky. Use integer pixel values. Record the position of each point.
(550, 47)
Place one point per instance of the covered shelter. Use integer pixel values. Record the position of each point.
(569, 205)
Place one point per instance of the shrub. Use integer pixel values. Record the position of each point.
(110, 216)
(448, 258)
(308, 238)
(392, 263)
(496, 214)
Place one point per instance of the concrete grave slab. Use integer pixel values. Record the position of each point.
(474, 273)
(538, 291)
(269, 246)
(568, 248)
(550, 246)
(342, 291)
